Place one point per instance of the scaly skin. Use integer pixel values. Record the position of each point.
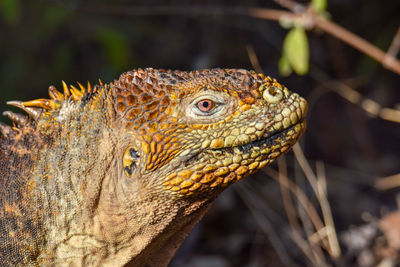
(123, 171)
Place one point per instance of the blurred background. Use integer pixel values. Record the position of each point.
(335, 201)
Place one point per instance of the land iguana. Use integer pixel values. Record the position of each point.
(119, 172)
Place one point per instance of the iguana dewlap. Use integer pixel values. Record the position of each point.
(100, 176)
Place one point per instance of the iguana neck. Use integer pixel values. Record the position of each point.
(97, 219)
(71, 167)
(146, 232)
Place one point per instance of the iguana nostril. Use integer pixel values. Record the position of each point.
(272, 94)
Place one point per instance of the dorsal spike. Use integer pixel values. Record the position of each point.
(17, 118)
(89, 87)
(83, 89)
(55, 94)
(76, 94)
(66, 90)
(34, 113)
(42, 103)
(5, 129)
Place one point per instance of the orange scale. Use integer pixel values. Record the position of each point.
(133, 113)
(207, 178)
(120, 107)
(158, 137)
(153, 147)
(131, 100)
(194, 187)
(151, 115)
(217, 182)
(145, 98)
(150, 106)
(242, 170)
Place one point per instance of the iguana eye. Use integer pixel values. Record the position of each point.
(205, 105)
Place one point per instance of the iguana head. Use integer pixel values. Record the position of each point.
(124, 170)
(197, 132)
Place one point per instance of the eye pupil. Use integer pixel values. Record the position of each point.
(205, 105)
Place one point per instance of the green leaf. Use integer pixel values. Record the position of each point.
(10, 11)
(295, 48)
(319, 5)
(284, 66)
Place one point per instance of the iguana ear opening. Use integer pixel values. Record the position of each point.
(130, 160)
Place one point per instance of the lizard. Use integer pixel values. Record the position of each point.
(120, 172)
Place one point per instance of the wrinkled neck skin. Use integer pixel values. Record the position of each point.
(149, 230)
(96, 216)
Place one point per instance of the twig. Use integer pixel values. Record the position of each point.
(188, 11)
(291, 5)
(393, 48)
(301, 159)
(318, 243)
(326, 211)
(370, 106)
(387, 61)
(319, 188)
(253, 59)
(287, 200)
(389, 182)
(301, 196)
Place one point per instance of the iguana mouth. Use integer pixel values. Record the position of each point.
(269, 138)
(265, 140)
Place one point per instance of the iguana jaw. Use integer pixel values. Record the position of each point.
(267, 140)
(239, 151)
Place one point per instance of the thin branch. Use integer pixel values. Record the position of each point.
(291, 5)
(254, 59)
(188, 11)
(319, 187)
(372, 107)
(326, 211)
(388, 182)
(388, 61)
(301, 196)
(287, 200)
(394, 47)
